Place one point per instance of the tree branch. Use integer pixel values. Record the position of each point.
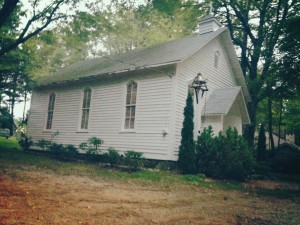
(48, 14)
(7, 9)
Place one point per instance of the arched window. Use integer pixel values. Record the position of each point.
(50, 110)
(86, 103)
(216, 59)
(130, 105)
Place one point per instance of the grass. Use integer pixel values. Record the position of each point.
(13, 157)
(8, 144)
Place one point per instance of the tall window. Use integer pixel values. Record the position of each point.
(50, 110)
(130, 105)
(86, 108)
(216, 59)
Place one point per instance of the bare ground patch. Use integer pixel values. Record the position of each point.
(32, 197)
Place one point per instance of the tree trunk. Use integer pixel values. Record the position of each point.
(252, 108)
(270, 121)
(12, 107)
(279, 123)
(24, 109)
(297, 137)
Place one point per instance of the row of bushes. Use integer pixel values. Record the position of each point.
(131, 159)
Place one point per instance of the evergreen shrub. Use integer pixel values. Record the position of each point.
(186, 156)
(25, 142)
(113, 157)
(134, 160)
(224, 156)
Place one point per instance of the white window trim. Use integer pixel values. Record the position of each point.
(45, 130)
(123, 129)
(79, 129)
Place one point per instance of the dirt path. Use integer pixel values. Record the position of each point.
(31, 197)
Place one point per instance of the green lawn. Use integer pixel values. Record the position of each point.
(11, 155)
(10, 143)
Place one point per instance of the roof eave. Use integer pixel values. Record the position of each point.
(236, 65)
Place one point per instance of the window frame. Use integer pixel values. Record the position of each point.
(51, 104)
(130, 105)
(82, 110)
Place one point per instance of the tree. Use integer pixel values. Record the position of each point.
(15, 79)
(187, 155)
(122, 25)
(40, 16)
(250, 23)
(283, 81)
(261, 144)
(61, 46)
(8, 7)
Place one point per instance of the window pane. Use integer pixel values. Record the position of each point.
(127, 123)
(127, 111)
(133, 98)
(130, 105)
(132, 123)
(50, 111)
(86, 108)
(134, 87)
(128, 98)
(88, 98)
(83, 119)
(129, 88)
(51, 102)
(49, 120)
(132, 114)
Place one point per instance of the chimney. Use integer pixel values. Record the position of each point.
(208, 24)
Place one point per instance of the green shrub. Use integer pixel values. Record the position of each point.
(186, 156)
(72, 151)
(83, 146)
(43, 143)
(91, 146)
(58, 150)
(25, 142)
(134, 160)
(225, 156)
(68, 152)
(113, 157)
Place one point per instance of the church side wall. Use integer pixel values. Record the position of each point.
(107, 115)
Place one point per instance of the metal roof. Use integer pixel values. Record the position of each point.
(163, 54)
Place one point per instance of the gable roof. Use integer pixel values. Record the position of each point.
(163, 54)
(221, 101)
(167, 53)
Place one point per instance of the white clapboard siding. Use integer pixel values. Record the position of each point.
(203, 62)
(159, 109)
(107, 114)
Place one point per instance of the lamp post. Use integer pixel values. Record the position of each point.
(199, 84)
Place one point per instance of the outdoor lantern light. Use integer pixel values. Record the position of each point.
(199, 84)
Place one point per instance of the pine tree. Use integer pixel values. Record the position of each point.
(261, 144)
(187, 156)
